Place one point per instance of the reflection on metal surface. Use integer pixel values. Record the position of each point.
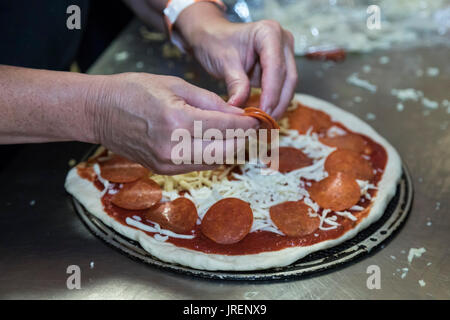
(370, 238)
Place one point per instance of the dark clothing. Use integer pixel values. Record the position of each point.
(35, 33)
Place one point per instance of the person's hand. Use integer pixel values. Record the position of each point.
(259, 54)
(134, 115)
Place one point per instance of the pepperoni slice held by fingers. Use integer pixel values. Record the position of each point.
(293, 219)
(304, 118)
(339, 191)
(227, 221)
(349, 162)
(179, 215)
(349, 141)
(266, 120)
(118, 169)
(138, 195)
(291, 159)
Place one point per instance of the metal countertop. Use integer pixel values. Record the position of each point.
(41, 235)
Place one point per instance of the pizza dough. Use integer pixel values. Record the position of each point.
(154, 238)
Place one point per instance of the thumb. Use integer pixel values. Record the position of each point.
(238, 85)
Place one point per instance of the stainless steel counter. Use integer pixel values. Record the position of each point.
(41, 235)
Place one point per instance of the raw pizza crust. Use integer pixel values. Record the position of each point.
(90, 197)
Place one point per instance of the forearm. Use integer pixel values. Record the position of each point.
(44, 106)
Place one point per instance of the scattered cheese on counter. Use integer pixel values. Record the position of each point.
(356, 81)
(407, 94)
(384, 60)
(432, 72)
(429, 103)
(121, 56)
(415, 253)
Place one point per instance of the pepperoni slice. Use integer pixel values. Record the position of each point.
(349, 141)
(138, 195)
(261, 115)
(292, 218)
(267, 122)
(86, 171)
(227, 221)
(304, 118)
(349, 162)
(179, 215)
(291, 159)
(339, 191)
(335, 55)
(118, 169)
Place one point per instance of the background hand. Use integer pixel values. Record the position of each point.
(259, 54)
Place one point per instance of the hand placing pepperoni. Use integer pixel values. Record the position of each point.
(349, 162)
(118, 169)
(227, 221)
(348, 141)
(179, 215)
(291, 159)
(292, 218)
(339, 191)
(304, 118)
(138, 195)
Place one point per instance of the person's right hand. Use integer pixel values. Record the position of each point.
(134, 115)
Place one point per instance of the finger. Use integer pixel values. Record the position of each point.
(204, 99)
(255, 76)
(289, 85)
(238, 84)
(273, 66)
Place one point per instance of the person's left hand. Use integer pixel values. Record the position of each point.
(258, 54)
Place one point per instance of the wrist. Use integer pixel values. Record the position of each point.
(195, 20)
(98, 101)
